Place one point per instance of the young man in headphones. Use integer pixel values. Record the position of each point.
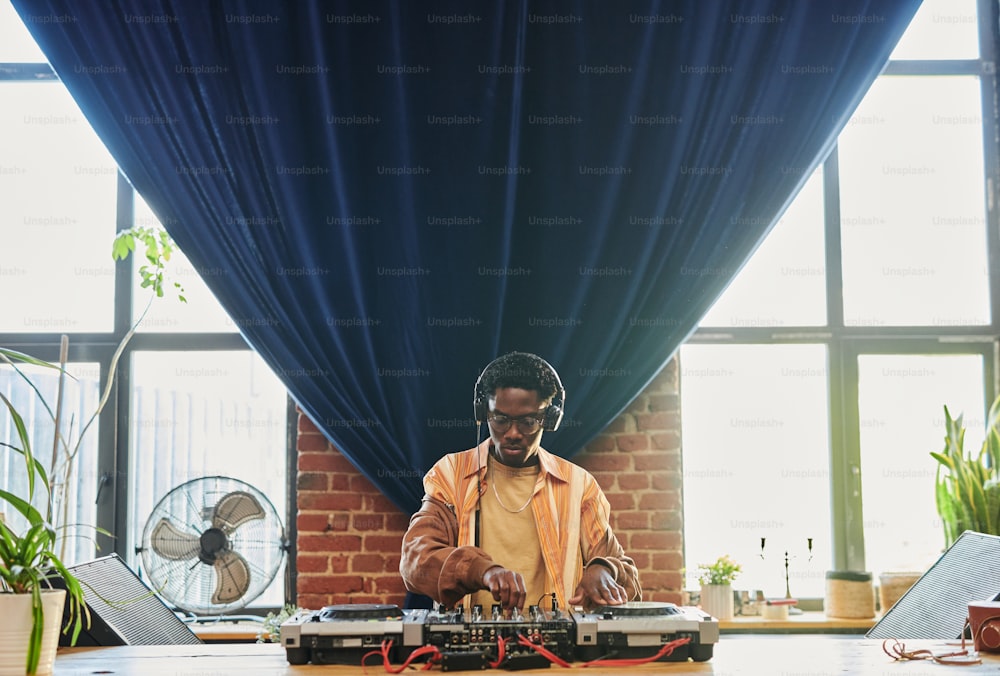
(536, 526)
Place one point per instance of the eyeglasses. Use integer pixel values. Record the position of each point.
(526, 425)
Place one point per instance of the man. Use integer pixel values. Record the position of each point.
(538, 524)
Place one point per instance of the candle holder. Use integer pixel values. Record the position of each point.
(788, 558)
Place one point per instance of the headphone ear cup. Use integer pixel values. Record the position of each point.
(480, 406)
(553, 416)
(554, 413)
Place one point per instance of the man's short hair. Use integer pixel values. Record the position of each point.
(522, 370)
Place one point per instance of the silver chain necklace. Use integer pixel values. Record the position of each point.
(500, 502)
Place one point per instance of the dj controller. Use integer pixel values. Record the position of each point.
(459, 639)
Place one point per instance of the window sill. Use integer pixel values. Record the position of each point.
(804, 623)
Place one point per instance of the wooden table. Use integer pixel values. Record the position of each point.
(734, 654)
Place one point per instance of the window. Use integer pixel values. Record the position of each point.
(767, 454)
(913, 206)
(48, 147)
(190, 398)
(774, 289)
(74, 484)
(812, 394)
(901, 413)
(196, 414)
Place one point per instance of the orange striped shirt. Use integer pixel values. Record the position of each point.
(571, 515)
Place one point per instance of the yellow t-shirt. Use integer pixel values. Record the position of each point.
(508, 532)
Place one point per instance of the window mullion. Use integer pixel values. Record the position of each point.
(834, 261)
(112, 466)
(845, 460)
(991, 151)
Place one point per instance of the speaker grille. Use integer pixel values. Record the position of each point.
(935, 607)
(134, 613)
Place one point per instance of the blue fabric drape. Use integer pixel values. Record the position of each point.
(390, 194)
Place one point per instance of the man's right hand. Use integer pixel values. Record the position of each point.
(506, 586)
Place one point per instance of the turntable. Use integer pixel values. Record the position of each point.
(342, 634)
(632, 629)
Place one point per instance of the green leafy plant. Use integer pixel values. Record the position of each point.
(967, 486)
(723, 571)
(28, 560)
(270, 630)
(159, 247)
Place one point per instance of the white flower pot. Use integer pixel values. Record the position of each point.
(717, 600)
(15, 609)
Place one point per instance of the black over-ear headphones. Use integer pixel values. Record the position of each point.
(553, 414)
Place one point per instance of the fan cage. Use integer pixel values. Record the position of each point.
(175, 559)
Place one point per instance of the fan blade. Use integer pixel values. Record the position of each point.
(172, 543)
(235, 509)
(232, 578)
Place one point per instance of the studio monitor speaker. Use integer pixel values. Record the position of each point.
(123, 610)
(937, 604)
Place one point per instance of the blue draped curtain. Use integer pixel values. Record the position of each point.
(393, 193)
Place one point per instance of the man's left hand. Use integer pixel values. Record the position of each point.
(598, 588)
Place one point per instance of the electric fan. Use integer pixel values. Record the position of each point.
(212, 545)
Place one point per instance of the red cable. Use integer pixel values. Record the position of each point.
(383, 651)
(387, 665)
(501, 652)
(667, 649)
(545, 652)
(435, 653)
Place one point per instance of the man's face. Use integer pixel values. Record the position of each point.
(512, 414)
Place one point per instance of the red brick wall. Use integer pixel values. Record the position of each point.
(349, 534)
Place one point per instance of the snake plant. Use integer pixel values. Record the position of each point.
(967, 486)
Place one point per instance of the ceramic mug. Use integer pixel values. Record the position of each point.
(984, 623)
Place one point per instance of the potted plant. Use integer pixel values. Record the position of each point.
(29, 563)
(716, 580)
(967, 486)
